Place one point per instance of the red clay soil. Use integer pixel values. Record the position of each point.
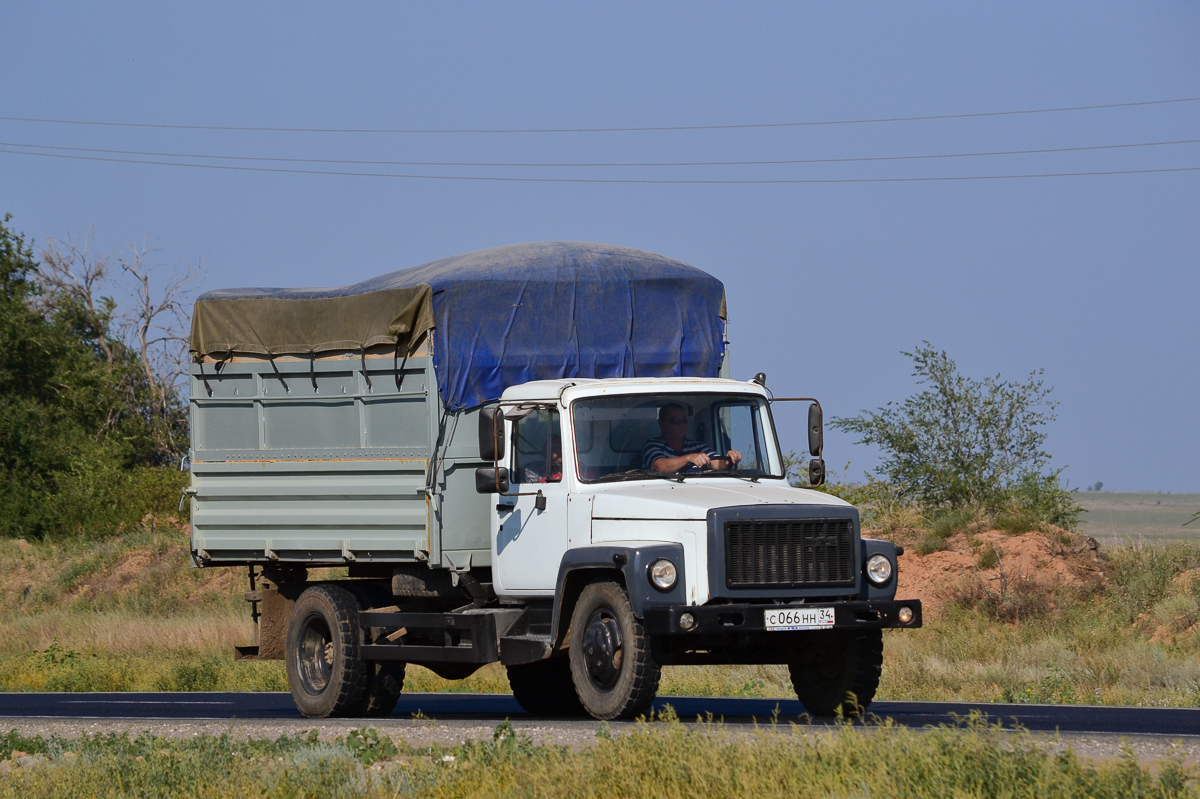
(1054, 563)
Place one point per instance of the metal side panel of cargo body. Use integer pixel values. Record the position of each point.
(327, 461)
(314, 511)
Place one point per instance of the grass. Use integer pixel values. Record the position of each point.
(660, 758)
(1115, 518)
(130, 614)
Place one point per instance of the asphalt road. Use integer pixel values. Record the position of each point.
(1076, 719)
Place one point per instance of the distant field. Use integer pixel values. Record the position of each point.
(1114, 517)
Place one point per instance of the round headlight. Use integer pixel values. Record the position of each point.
(879, 569)
(663, 574)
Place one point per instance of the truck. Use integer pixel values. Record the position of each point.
(531, 455)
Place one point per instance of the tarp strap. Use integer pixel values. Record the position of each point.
(312, 369)
(226, 358)
(400, 368)
(204, 377)
(362, 356)
(279, 374)
(431, 475)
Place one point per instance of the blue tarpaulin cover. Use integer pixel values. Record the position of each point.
(500, 317)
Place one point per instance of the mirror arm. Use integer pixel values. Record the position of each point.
(795, 399)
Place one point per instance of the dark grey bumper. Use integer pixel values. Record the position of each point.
(747, 618)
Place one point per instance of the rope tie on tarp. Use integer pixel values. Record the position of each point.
(312, 369)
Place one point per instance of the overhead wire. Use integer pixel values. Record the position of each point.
(631, 129)
(582, 164)
(655, 181)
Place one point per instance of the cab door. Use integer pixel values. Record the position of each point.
(529, 532)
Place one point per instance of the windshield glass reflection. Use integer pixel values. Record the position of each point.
(677, 436)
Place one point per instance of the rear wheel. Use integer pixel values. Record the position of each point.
(545, 688)
(614, 674)
(385, 681)
(838, 672)
(324, 667)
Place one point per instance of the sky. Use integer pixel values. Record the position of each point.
(1093, 278)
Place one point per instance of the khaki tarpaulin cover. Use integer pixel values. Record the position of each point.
(300, 323)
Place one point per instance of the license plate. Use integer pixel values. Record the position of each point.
(799, 618)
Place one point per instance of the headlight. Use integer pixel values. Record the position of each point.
(663, 574)
(879, 569)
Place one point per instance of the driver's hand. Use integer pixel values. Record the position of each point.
(734, 456)
(698, 459)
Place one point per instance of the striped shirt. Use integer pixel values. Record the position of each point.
(658, 448)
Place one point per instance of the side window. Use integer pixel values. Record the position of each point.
(537, 447)
(740, 429)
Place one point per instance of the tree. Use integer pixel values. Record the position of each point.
(141, 340)
(960, 442)
(88, 411)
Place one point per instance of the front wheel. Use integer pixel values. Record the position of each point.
(614, 674)
(838, 672)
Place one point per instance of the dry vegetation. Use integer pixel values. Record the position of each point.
(661, 759)
(1034, 616)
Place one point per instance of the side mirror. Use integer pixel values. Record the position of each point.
(816, 472)
(815, 431)
(491, 434)
(492, 480)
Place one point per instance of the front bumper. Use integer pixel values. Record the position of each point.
(725, 620)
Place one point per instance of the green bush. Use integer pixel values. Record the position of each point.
(987, 558)
(965, 443)
(1143, 575)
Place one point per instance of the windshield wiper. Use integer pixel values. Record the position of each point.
(637, 474)
(753, 478)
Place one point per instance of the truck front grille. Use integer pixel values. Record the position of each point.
(789, 553)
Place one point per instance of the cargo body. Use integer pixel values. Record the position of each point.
(531, 455)
(331, 462)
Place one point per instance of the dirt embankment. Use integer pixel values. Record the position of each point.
(1016, 575)
(149, 569)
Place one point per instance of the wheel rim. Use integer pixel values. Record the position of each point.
(314, 655)
(602, 651)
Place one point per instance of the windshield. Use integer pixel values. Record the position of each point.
(674, 435)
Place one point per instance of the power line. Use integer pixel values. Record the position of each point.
(497, 179)
(785, 162)
(640, 129)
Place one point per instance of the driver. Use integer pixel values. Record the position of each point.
(674, 452)
(538, 473)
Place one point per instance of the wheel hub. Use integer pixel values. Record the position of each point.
(314, 655)
(602, 649)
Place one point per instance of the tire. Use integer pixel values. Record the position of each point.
(614, 674)
(385, 682)
(838, 672)
(324, 667)
(545, 688)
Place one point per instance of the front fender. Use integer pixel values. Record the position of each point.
(630, 563)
